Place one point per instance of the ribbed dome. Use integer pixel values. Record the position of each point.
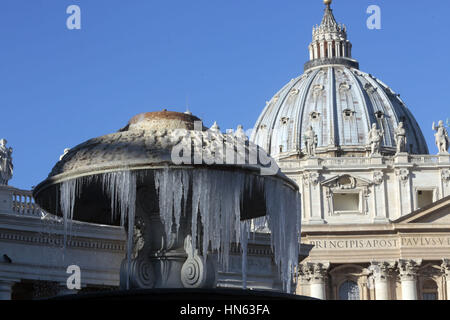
(340, 103)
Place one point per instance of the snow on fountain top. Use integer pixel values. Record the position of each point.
(155, 139)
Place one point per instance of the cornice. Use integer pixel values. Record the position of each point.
(367, 229)
(34, 231)
(58, 241)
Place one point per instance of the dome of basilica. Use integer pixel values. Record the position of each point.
(339, 102)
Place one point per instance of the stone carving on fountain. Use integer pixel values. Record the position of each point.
(442, 138)
(197, 271)
(6, 165)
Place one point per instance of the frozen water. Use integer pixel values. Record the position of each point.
(217, 198)
(119, 186)
(67, 198)
(245, 229)
(216, 202)
(283, 217)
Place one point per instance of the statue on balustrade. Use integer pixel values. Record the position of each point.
(442, 139)
(400, 138)
(310, 142)
(374, 139)
(6, 165)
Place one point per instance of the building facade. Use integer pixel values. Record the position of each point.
(365, 177)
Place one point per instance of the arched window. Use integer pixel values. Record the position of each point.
(349, 290)
(430, 290)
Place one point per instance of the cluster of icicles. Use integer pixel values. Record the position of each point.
(216, 201)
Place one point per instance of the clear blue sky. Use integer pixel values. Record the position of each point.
(60, 87)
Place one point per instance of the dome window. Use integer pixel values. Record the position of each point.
(379, 115)
(284, 120)
(348, 114)
(344, 87)
(369, 88)
(314, 116)
(294, 92)
(318, 89)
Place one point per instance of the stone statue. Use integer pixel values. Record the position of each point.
(240, 133)
(400, 138)
(442, 139)
(6, 165)
(66, 151)
(310, 142)
(375, 137)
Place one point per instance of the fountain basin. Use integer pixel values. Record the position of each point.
(183, 193)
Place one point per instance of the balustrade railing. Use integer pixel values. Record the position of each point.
(23, 203)
(423, 159)
(359, 161)
(345, 161)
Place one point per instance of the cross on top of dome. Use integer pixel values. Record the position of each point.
(329, 29)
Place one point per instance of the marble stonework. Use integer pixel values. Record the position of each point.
(398, 260)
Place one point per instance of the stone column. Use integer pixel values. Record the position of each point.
(408, 276)
(6, 289)
(303, 279)
(446, 270)
(316, 51)
(318, 277)
(380, 271)
(322, 49)
(338, 49)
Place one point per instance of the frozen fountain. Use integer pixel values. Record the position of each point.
(184, 194)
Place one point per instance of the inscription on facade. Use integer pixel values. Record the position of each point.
(346, 244)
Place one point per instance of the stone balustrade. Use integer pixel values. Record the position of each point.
(19, 202)
(364, 161)
(424, 159)
(23, 203)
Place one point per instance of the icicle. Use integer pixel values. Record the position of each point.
(244, 246)
(216, 202)
(121, 188)
(284, 222)
(67, 201)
